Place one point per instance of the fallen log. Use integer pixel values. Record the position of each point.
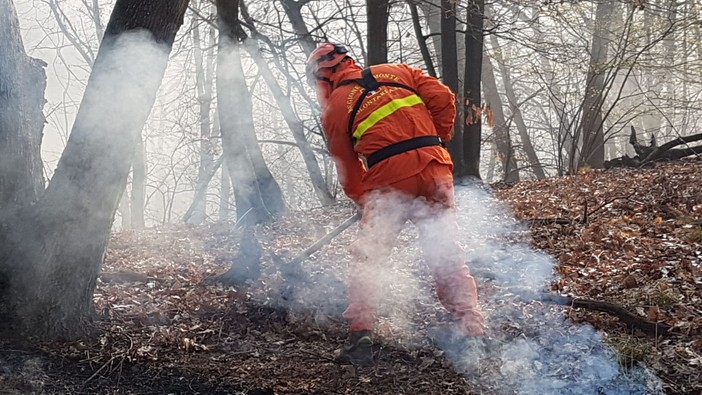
(647, 154)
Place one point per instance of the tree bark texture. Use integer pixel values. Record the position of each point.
(296, 127)
(421, 39)
(471, 89)
(57, 247)
(534, 161)
(592, 123)
(125, 211)
(138, 198)
(204, 68)
(449, 75)
(293, 9)
(432, 19)
(257, 195)
(225, 192)
(378, 13)
(500, 130)
(22, 85)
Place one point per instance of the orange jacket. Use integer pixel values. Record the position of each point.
(435, 117)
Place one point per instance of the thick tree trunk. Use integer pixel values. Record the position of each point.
(592, 123)
(377, 11)
(22, 84)
(258, 196)
(57, 248)
(471, 89)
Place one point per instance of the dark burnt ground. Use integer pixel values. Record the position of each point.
(164, 327)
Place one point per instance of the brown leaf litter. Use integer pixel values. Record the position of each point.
(626, 236)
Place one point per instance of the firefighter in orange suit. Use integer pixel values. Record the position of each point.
(385, 128)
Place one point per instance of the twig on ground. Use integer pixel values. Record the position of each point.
(632, 320)
(101, 368)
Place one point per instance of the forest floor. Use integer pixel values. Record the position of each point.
(631, 237)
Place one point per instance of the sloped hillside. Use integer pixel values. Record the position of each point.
(631, 238)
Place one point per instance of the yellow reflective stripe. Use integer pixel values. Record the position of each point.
(384, 111)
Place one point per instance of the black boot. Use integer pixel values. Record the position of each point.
(358, 350)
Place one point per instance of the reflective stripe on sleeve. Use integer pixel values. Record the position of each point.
(384, 111)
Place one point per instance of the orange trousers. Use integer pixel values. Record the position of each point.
(427, 199)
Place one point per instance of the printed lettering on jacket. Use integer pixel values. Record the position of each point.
(374, 96)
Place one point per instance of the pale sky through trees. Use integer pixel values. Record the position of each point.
(544, 51)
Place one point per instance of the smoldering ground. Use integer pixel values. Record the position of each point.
(529, 347)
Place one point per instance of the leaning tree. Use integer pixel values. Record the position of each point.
(52, 241)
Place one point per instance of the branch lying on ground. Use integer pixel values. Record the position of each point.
(651, 153)
(631, 320)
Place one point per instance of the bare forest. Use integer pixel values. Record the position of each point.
(172, 221)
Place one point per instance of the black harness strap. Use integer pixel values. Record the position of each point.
(400, 147)
(370, 84)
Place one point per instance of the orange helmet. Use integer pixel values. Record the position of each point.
(327, 55)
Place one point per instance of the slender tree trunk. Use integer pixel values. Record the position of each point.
(560, 133)
(258, 196)
(449, 75)
(421, 39)
(377, 11)
(204, 70)
(125, 212)
(670, 52)
(500, 129)
(433, 17)
(138, 185)
(491, 165)
(58, 247)
(293, 9)
(534, 161)
(471, 88)
(200, 194)
(224, 196)
(290, 116)
(296, 127)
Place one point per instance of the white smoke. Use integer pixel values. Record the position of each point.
(540, 351)
(530, 347)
